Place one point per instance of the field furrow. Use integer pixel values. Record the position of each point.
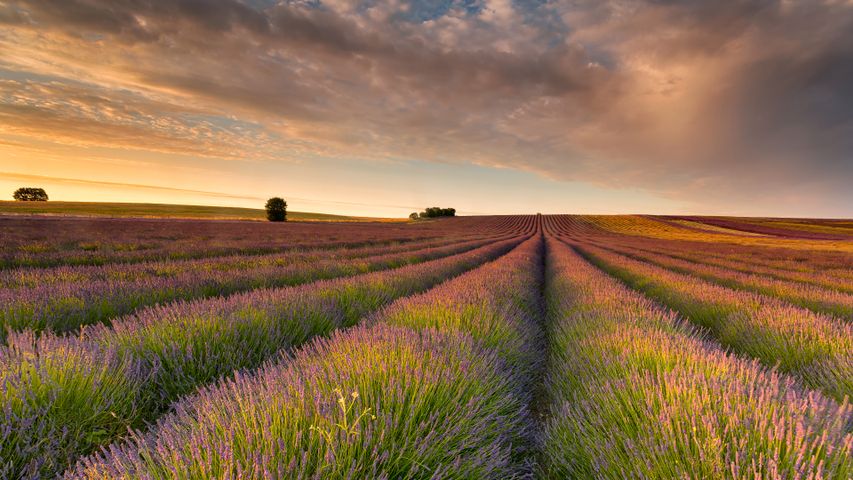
(482, 347)
(54, 241)
(93, 295)
(111, 241)
(64, 396)
(816, 348)
(831, 266)
(821, 300)
(436, 386)
(743, 262)
(636, 393)
(24, 278)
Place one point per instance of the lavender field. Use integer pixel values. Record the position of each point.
(483, 347)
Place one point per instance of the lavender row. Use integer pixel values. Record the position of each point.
(27, 278)
(636, 393)
(66, 306)
(436, 386)
(834, 266)
(814, 260)
(812, 297)
(789, 228)
(743, 262)
(51, 241)
(816, 348)
(63, 396)
(44, 241)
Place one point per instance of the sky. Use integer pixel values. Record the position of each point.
(383, 107)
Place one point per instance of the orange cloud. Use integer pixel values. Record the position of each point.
(696, 101)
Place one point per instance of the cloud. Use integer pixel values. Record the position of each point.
(82, 115)
(700, 101)
(76, 181)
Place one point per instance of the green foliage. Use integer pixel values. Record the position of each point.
(276, 210)
(435, 212)
(30, 194)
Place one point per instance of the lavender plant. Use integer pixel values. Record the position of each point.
(69, 298)
(439, 393)
(819, 299)
(816, 348)
(636, 393)
(64, 396)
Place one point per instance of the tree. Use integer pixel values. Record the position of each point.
(276, 210)
(30, 194)
(413, 216)
(434, 212)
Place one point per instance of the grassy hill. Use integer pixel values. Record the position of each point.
(158, 210)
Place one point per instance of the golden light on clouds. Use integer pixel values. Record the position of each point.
(735, 107)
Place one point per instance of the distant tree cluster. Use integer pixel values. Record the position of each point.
(30, 194)
(276, 210)
(434, 212)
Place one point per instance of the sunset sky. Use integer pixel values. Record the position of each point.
(382, 107)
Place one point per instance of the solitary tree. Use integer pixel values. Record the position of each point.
(30, 194)
(413, 216)
(276, 210)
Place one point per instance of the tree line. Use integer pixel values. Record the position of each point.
(434, 212)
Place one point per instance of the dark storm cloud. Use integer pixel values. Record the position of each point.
(695, 100)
